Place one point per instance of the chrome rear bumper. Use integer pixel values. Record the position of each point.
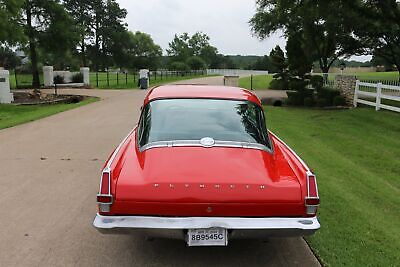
(176, 228)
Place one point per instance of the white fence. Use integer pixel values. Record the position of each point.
(378, 91)
(236, 72)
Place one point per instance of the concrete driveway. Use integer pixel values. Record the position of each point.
(48, 182)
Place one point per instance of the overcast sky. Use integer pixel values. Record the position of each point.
(225, 21)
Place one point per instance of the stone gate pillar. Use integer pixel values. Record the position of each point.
(86, 75)
(346, 85)
(48, 76)
(6, 97)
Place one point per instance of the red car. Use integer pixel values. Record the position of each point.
(201, 166)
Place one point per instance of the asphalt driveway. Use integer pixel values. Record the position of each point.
(48, 182)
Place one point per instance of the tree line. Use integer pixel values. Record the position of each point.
(325, 31)
(73, 33)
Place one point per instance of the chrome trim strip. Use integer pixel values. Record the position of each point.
(294, 153)
(197, 143)
(107, 169)
(112, 158)
(147, 222)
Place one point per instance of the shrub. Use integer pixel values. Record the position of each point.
(317, 82)
(322, 102)
(297, 85)
(295, 98)
(299, 92)
(77, 78)
(328, 94)
(308, 101)
(59, 79)
(339, 101)
(278, 84)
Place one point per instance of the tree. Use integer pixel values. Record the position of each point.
(141, 51)
(378, 61)
(10, 14)
(263, 63)
(179, 47)
(377, 28)
(184, 46)
(179, 66)
(82, 13)
(46, 25)
(198, 42)
(210, 55)
(113, 33)
(322, 23)
(278, 60)
(196, 63)
(8, 58)
(279, 66)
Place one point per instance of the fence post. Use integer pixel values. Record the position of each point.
(108, 79)
(16, 78)
(356, 93)
(117, 78)
(97, 78)
(378, 96)
(126, 78)
(251, 82)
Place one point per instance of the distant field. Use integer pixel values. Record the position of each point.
(355, 154)
(260, 82)
(392, 76)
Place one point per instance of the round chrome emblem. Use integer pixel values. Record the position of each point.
(207, 142)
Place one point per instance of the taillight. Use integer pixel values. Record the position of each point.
(105, 198)
(312, 199)
(105, 187)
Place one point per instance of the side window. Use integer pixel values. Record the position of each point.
(144, 126)
(263, 127)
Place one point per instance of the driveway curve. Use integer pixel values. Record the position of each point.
(49, 178)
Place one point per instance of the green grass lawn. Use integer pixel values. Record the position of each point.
(24, 80)
(356, 156)
(11, 115)
(260, 82)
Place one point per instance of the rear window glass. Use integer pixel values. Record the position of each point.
(194, 119)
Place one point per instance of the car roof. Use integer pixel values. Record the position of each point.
(200, 91)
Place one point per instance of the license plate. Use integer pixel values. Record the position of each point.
(207, 237)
